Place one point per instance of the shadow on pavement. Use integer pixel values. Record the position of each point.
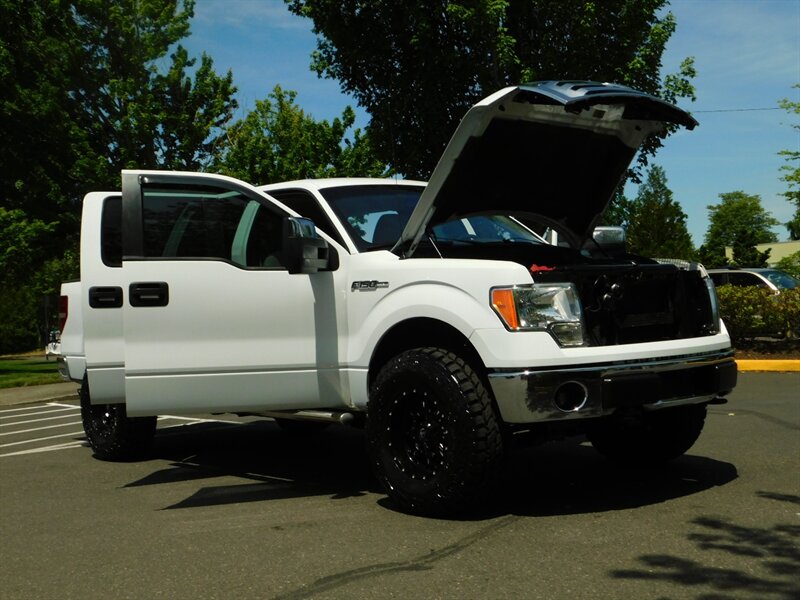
(772, 556)
(572, 478)
(257, 461)
(272, 463)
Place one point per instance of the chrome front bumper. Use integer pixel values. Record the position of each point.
(585, 391)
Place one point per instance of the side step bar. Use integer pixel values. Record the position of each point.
(330, 416)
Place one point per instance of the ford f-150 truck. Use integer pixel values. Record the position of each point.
(439, 316)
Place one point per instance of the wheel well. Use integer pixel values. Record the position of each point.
(421, 333)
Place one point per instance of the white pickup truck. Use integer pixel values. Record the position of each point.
(436, 316)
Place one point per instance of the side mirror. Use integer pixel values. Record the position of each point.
(304, 250)
(610, 239)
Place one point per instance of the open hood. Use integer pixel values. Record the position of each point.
(557, 149)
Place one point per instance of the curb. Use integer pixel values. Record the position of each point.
(769, 366)
(49, 392)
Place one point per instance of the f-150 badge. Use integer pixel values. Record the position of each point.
(368, 286)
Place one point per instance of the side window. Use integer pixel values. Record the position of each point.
(718, 278)
(745, 279)
(307, 206)
(190, 221)
(261, 238)
(111, 232)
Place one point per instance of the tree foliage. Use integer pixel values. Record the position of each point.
(417, 66)
(790, 264)
(792, 171)
(41, 140)
(278, 141)
(22, 244)
(656, 224)
(89, 89)
(738, 221)
(616, 213)
(751, 311)
(139, 114)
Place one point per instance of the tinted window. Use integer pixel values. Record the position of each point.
(264, 240)
(375, 216)
(361, 208)
(204, 222)
(486, 229)
(190, 222)
(781, 280)
(745, 279)
(718, 278)
(111, 232)
(304, 204)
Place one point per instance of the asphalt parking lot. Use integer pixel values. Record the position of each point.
(230, 507)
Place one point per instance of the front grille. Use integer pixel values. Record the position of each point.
(639, 303)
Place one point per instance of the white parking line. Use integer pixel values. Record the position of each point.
(36, 420)
(66, 446)
(50, 437)
(44, 412)
(7, 410)
(70, 410)
(64, 405)
(40, 428)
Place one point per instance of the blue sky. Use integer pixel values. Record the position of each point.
(747, 54)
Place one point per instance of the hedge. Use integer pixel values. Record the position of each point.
(752, 311)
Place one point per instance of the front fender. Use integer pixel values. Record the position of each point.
(436, 300)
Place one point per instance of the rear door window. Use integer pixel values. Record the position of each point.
(198, 222)
(111, 232)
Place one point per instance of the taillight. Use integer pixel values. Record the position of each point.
(63, 312)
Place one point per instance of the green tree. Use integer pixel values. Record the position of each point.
(616, 213)
(656, 224)
(792, 171)
(86, 97)
(278, 141)
(22, 245)
(41, 139)
(28, 274)
(790, 264)
(744, 252)
(89, 89)
(417, 66)
(738, 221)
(136, 115)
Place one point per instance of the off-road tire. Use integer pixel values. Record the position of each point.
(111, 433)
(653, 437)
(433, 438)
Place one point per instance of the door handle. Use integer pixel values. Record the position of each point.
(105, 297)
(149, 293)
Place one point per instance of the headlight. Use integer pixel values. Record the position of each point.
(552, 307)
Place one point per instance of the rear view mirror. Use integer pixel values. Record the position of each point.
(304, 250)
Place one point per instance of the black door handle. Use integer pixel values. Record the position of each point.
(105, 297)
(149, 293)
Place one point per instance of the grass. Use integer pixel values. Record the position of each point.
(19, 372)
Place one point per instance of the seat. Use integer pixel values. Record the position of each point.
(387, 230)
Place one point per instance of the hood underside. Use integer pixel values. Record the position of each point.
(553, 149)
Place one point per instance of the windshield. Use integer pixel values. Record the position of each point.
(782, 280)
(375, 216)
